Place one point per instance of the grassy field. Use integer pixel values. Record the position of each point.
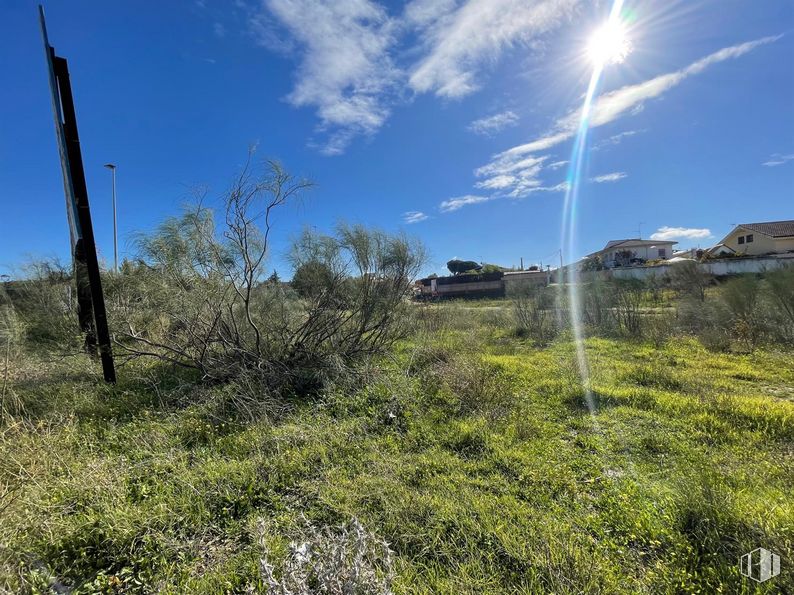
(478, 457)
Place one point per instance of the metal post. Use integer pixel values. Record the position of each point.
(92, 313)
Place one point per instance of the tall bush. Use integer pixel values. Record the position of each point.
(199, 297)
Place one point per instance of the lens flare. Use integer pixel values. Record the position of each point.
(610, 43)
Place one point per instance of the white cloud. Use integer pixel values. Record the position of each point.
(219, 30)
(345, 69)
(778, 159)
(561, 187)
(478, 32)
(413, 216)
(607, 108)
(557, 165)
(453, 204)
(423, 13)
(681, 233)
(613, 177)
(615, 139)
(497, 182)
(493, 124)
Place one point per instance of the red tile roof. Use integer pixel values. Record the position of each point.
(775, 229)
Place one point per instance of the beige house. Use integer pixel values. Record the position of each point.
(755, 239)
(628, 252)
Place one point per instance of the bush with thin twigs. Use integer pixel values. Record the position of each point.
(779, 300)
(533, 309)
(198, 297)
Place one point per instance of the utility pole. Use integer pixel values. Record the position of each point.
(639, 229)
(559, 276)
(112, 169)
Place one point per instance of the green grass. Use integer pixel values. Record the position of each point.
(472, 453)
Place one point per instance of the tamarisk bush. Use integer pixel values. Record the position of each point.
(199, 296)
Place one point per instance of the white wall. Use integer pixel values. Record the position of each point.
(724, 266)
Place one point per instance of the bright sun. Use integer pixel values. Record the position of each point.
(610, 44)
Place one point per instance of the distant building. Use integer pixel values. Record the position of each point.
(690, 253)
(524, 278)
(619, 253)
(755, 239)
(482, 285)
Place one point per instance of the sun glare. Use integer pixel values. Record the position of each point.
(610, 44)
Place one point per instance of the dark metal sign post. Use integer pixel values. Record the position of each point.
(90, 300)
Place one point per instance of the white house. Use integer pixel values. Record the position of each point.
(626, 252)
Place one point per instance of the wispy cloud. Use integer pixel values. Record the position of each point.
(778, 159)
(453, 204)
(347, 52)
(219, 30)
(612, 177)
(414, 216)
(557, 165)
(615, 139)
(681, 233)
(345, 69)
(608, 108)
(492, 124)
(461, 41)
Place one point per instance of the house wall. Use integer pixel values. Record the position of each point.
(640, 251)
(526, 278)
(783, 245)
(761, 244)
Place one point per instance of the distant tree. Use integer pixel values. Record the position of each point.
(456, 267)
(593, 263)
(274, 278)
(534, 267)
(491, 268)
(622, 257)
(312, 278)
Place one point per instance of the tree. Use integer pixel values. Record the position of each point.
(456, 267)
(491, 268)
(312, 278)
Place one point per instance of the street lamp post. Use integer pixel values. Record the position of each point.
(112, 169)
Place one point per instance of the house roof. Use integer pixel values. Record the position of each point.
(775, 229)
(633, 242)
(630, 242)
(716, 248)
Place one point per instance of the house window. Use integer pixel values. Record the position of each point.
(662, 253)
(749, 238)
(741, 239)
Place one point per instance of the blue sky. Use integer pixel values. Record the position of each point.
(448, 119)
